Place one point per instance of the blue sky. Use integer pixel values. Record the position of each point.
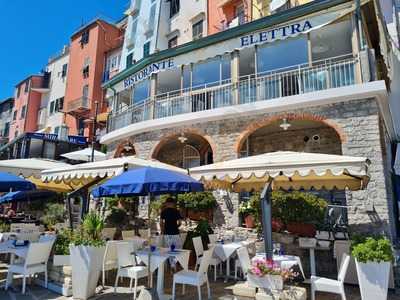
(33, 30)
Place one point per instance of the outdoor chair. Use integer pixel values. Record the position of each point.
(108, 233)
(330, 285)
(144, 295)
(35, 262)
(199, 249)
(213, 238)
(127, 266)
(47, 238)
(195, 278)
(128, 234)
(242, 262)
(110, 259)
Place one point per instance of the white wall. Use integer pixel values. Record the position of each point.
(190, 12)
(57, 90)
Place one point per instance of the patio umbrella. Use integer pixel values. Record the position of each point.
(148, 181)
(85, 155)
(10, 182)
(284, 170)
(20, 196)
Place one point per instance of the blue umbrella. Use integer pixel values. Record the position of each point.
(145, 181)
(20, 196)
(10, 182)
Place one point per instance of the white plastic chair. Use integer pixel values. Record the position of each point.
(128, 234)
(108, 233)
(243, 261)
(127, 266)
(195, 278)
(330, 285)
(213, 238)
(199, 249)
(110, 259)
(35, 262)
(144, 295)
(47, 238)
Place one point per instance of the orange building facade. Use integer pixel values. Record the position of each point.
(88, 49)
(27, 105)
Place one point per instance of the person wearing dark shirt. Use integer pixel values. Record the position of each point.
(170, 222)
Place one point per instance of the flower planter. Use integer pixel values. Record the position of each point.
(86, 265)
(373, 279)
(302, 229)
(61, 260)
(197, 215)
(249, 221)
(269, 282)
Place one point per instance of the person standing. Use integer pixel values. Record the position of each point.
(170, 222)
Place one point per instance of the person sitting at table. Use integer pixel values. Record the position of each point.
(170, 222)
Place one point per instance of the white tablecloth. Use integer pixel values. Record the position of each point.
(226, 250)
(8, 248)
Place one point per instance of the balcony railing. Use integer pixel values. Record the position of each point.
(79, 105)
(289, 81)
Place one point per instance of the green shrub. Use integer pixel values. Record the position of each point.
(203, 229)
(117, 217)
(298, 207)
(4, 227)
(89, 234)
(372, 250)
(53, 214)
(64, 238)
(199, 201)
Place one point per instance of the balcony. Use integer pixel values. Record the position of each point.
(78, 106)
(290, 81)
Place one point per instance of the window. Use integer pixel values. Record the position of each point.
(141, 91)
(52, 104)
(191, 157)
(85, 95)
(172, 43)
(56, 130)
(60, 104)
(64, 70)
(240, 14)
(85, 71)
(173, 8)
(18, 91)
(26, 86)
(15, 115)
(146, 49)
(197, 30)
(151, 18)
(6, 129)
(85, 37)
(129, 60)
(23, 112)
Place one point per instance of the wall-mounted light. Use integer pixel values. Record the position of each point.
(182, 138)
(285, 124)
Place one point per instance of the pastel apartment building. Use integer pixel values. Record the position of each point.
(28, 95)
(87, 60)
(6, 109)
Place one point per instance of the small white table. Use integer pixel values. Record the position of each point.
(157, 261)
(283, 261)
(224, 251)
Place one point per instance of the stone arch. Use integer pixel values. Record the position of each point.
(154, 152)
(125, 148)
(254, 126)
(170, 149)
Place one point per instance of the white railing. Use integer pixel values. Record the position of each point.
(294, 80)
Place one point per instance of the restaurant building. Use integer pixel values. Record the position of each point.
(311, 78)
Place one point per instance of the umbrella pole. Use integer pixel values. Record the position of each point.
(149, 241)
(266, 210)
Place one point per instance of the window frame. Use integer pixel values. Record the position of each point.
(175, 39)
(195, 26)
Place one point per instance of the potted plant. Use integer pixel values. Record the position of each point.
(198, 206)
(61, 248)
(87, 252)
(373, 260)
(299, 212)
(248, 211)
(267, 275)
(54, 213)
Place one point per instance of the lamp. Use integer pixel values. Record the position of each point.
(285, 124)
(182, 138)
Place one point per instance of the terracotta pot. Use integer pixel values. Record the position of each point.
(277, 225)
(249, 221)
(302, 229)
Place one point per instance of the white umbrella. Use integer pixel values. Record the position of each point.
(28, 167)
(287, 170)
(85, 155)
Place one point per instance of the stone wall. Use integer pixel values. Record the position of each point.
(357, 124)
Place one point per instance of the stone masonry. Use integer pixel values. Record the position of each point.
(358, 127)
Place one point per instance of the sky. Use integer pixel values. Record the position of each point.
(34, 30)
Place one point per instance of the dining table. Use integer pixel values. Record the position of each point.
(283, 261)
(224, 250)
(158, 257)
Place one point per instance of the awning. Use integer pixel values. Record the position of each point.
(29, 167)
(102, 118)
(287, 170)
(276, 4)
(85, 155)
(85, 173)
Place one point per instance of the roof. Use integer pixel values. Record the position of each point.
(27, 78)
(10, 99)
(290, 14)
(91, 23)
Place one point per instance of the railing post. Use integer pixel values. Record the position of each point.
(153, 91)
(235, 77)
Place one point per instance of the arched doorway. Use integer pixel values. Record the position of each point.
(186, 150)
(292, 135)
(126, 148)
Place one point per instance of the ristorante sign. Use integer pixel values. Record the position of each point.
(146, 72)
(279, 33)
